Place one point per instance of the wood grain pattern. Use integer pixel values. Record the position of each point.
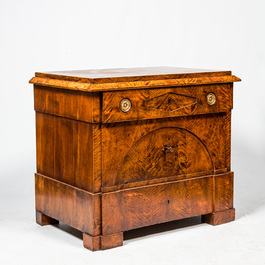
(119, 138)
(148, 205)
(146, 104)
(130, 74)
(113, 240)
(74, 105)
(218, 218)
(88, 87)
(65, 149)
(224, 191)
(227, 122)
(149, 157)
(75, 207)
(97, 158)
(45, 144)
(69, 151)
(102, 242)
(169, 102)
(91, 242)
(103, 171)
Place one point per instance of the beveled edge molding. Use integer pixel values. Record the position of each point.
(89, 87)
(40, 81)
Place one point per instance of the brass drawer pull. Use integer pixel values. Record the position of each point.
(125, 105)
(211, 99)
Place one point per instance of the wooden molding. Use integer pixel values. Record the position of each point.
(89, 87)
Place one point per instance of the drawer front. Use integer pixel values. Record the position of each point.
(148, 205)
(163, 148)
(162, 103)
(168, 151)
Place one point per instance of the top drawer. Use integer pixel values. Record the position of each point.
(167, 102)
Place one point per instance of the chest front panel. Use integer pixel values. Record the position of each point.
(144, 150)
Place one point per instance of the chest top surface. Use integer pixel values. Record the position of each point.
(130, 78)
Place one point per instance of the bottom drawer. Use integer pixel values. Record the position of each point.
(137, 207)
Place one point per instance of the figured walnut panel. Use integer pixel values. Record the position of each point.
(168, 151)
(45, 144)
(224, 191)
(70, 104)
(65, 151)
(168, 102)
(72, 206)
(97, 157)
(148, 205)
(227, 121)
(119, 138)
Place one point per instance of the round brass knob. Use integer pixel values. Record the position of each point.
(211, 99)
(125, 105)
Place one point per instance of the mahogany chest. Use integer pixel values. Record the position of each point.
(120, 149)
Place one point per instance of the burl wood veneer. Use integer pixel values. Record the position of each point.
(120, 149)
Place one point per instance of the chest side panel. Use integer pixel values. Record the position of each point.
(69, 151)
(69, 104)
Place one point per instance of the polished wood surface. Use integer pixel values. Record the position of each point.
(90, 87)
(167, 151)
(66, 103)
(69, 151)
(75, 207)
(223, 198)
(153, 204)
(130, 74)
(218, 218)
(104, 171)
(131, 78)
(168, 102)
(227, 131)
(92, 243)
(102, 242)
(125, 139)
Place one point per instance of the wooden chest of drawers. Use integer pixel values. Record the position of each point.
(120, 149)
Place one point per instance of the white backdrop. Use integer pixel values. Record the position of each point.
(65, 35)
